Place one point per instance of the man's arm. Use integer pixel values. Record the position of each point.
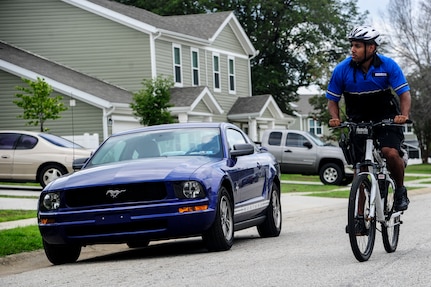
(405, 105)
(334, 112)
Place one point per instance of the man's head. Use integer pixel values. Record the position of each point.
(364, 41)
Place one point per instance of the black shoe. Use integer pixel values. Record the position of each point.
(360, 228)
(401, 199)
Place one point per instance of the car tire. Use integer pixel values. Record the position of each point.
(219, 237)
(49, 173)
(331, 173)
(271, 227)
(347, 180)
(61, 253)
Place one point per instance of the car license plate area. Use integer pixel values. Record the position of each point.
(113, 219)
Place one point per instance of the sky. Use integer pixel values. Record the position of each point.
(375, 8)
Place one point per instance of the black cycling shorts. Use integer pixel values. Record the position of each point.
(385, 137)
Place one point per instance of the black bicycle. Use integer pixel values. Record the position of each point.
(371, 199)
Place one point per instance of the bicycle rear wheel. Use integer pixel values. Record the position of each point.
(361, 228)
(391, 227)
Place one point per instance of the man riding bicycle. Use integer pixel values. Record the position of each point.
(366, 80)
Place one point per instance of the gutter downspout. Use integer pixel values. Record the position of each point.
(153, 54)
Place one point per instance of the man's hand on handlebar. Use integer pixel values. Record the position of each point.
(334, 122)
(400, 119)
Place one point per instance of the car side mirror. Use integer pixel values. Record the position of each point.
(242, 149)
(308, 145)
(79, 163)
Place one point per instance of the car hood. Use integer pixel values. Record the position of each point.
(151, 169)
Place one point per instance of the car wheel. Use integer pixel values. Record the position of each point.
(271, 227)
(347, 180)
(49, 173)
(331, 173)
(138, 244)
(61, 253)
(219, 237)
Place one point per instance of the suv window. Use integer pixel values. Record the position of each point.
(295, 140)
(275, 138)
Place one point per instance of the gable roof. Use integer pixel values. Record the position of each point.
(202, 28)
(186, 99)
(255, 106)
(303, 106)
(63, 79)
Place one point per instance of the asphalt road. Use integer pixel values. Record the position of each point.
(312, 250)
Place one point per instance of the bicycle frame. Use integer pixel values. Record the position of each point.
(375, 163)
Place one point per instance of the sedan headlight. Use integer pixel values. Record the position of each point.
(189, 189)
(51, 201)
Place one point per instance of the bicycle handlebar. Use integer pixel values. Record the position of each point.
(385, 122)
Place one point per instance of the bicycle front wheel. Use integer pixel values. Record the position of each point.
(361, 228)
(391, 226)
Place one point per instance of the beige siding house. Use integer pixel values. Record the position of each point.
(95, 53)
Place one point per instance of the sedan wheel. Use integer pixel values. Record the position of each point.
(271, 227)
(50, 173)
(61, 253)
(219, 236)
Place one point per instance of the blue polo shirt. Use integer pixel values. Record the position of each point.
(368, 95)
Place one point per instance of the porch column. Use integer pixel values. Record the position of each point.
(252, 129)
(183, 118)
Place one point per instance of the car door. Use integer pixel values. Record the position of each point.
(7, 146)
(26, 159)
(299, 153)
(248, 172)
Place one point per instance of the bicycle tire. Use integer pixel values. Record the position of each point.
(391, 227)
(362, 244)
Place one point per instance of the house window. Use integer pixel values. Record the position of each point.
(177, 65)
(216, 72)
(195, 67)
(231, 75)
(315, 127)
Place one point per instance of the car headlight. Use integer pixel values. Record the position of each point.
(51, 201)
(189, 189)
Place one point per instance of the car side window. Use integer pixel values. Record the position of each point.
(295, 140)
(26, 142)
(275, 138)
(8, 140)
(234, 137)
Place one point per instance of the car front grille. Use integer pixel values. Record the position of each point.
(108, 195)
(130, 227)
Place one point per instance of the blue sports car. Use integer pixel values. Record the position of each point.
(162, 182)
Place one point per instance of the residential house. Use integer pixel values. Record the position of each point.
(95, 53)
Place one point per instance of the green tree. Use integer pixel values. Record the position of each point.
(409, 34)
(299, 40)
(152, 102)
(38, 104)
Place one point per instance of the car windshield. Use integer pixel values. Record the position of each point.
(59, 141)
(316, 139)
(160, 143)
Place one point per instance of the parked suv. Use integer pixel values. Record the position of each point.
(304, 153)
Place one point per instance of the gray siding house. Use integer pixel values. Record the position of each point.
(95, 53)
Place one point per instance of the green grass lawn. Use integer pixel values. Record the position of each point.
(20, 239)
(10, 215)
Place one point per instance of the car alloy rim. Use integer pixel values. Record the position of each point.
(276, 209)
(226, 218)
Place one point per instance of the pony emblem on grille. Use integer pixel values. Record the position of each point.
(113, 193)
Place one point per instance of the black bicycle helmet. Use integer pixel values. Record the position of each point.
(366, 34)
